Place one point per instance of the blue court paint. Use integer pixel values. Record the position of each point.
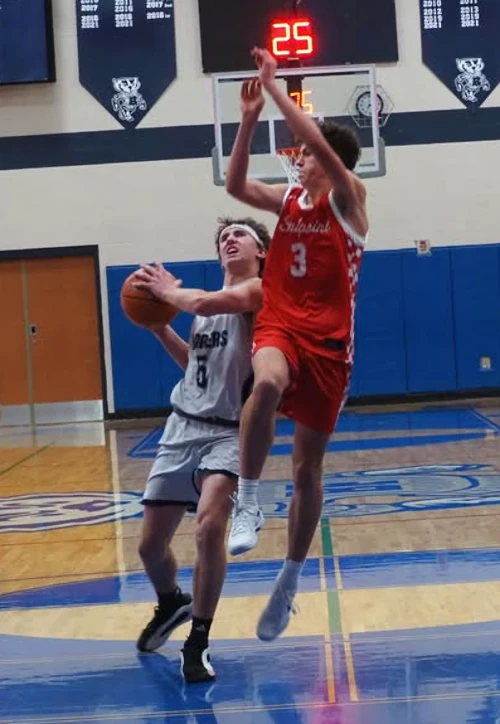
(469, 709)
(465, 710)
(19, 648)
(422, 666)
(480, 630)
(252, 578)
(417, 679)
(386, 443)
(80, 687)
(420, 568)
(444, 426)
(428, 418)
(148, 445)
(490, 420)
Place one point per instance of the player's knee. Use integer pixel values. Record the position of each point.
(268, 390)
(307, 473)
(210, 531)
(151, 550)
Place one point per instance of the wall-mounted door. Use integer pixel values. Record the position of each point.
(14, 379)
(50, 365)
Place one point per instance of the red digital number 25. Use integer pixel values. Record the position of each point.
(300, 31)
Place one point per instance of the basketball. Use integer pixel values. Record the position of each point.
(142, 308)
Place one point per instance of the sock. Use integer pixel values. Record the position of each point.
(167, 600)
(247, 493)
(200, 629)
(290, 574)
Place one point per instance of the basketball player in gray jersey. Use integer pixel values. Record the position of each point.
(197, 465)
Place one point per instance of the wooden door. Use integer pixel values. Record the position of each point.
(64, 329)
(14, 387)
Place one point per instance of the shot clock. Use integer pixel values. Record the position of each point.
(292, 38)
(309, 33)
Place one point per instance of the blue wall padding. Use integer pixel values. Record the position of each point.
(422, 325)
(380, 366)
(476, 300)
(428, 313)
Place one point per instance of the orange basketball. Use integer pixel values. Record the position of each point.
(142, 308)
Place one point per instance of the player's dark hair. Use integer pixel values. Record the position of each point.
(344, 141)
(260, 229)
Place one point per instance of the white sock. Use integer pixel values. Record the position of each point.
(290, 574)
(247, 493)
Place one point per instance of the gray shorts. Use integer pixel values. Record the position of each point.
(188, 449)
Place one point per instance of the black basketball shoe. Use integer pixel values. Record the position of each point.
(165, 620)
(195, 665)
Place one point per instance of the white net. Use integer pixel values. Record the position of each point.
(288, 158)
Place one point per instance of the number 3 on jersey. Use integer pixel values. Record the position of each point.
(299, 266)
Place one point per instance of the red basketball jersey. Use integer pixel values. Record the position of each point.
(311, 276)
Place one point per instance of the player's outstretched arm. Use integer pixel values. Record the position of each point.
(246, 297)
(306, 130)
(250, 191)
(176, 347)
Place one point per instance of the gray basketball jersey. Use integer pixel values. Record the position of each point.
(219, 371)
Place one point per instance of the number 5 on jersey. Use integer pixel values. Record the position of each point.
(299, 266)
(201, 371)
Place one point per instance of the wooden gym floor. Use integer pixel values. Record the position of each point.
(399, 612)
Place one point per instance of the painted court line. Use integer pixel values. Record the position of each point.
(334, 611)
(28, 457)
(329, 665)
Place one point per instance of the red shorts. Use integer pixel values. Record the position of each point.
(319, 385)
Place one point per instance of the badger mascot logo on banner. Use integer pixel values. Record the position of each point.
(127, 99)
(471, 80)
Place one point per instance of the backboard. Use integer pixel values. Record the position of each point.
(346, 94)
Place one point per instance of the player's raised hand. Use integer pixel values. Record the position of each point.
(251, 99)
(266, 63)
(155, 279)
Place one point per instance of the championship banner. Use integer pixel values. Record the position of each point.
(461, 46)
(126, 51)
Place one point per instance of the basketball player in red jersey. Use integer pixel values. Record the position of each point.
(303, 339)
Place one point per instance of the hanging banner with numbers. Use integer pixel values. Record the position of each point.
(461, 46)
(126, 51)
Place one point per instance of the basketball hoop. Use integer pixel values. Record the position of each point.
(288, 158)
